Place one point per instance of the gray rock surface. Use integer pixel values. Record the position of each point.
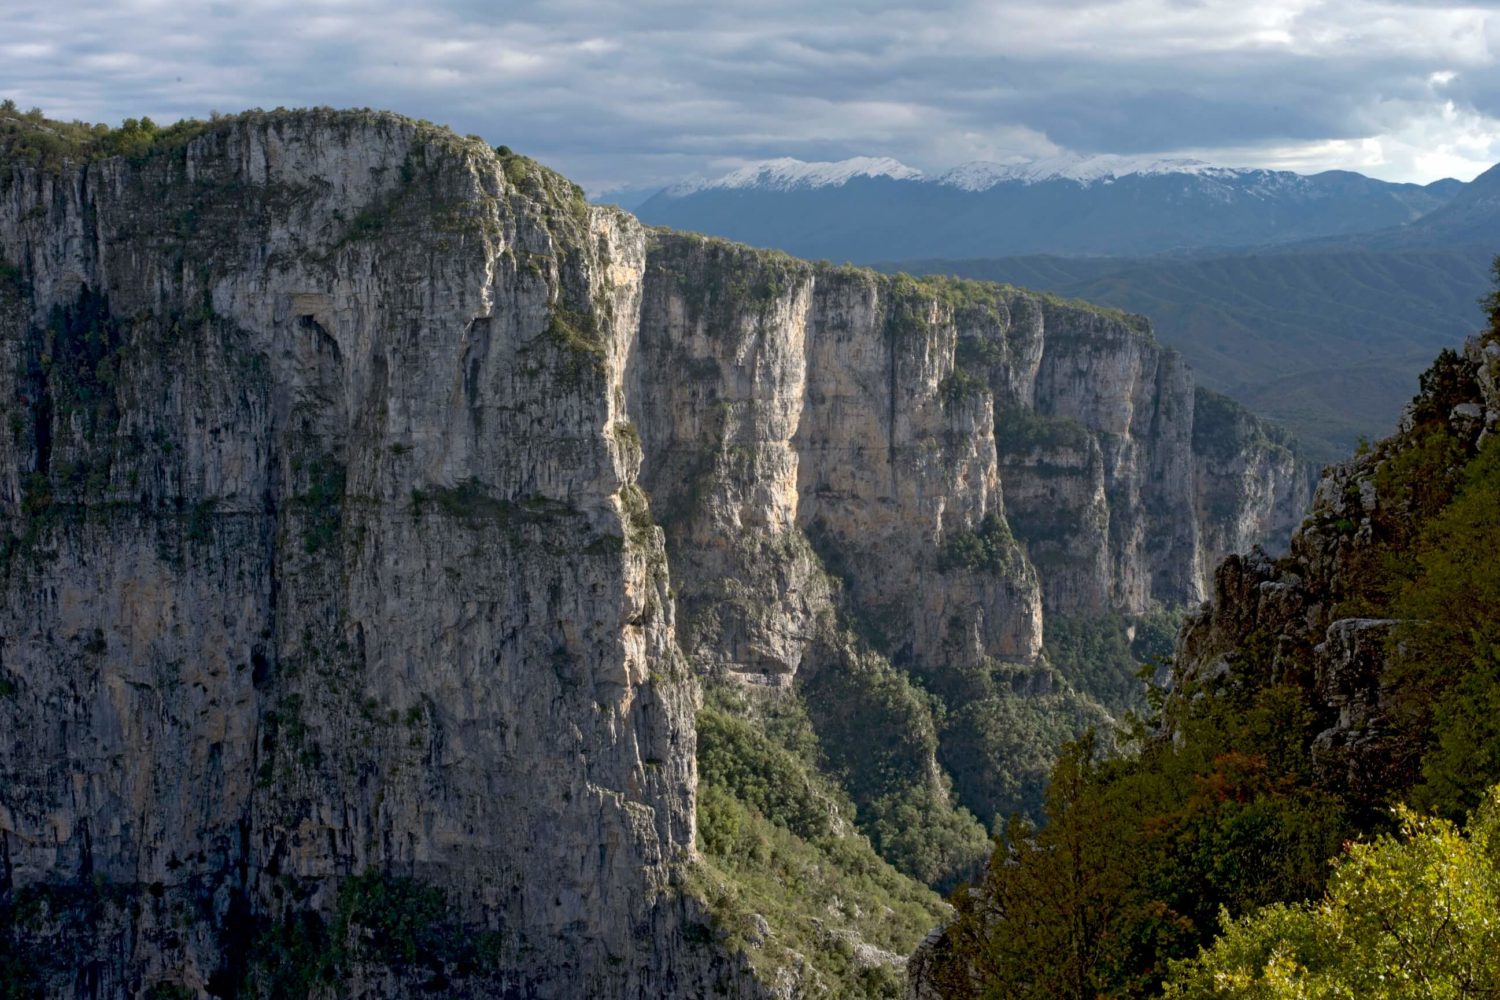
(338, 566)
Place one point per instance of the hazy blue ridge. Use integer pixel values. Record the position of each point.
(866, 219)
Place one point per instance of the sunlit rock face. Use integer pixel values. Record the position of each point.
(962, 455)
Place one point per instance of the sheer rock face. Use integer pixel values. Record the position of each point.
(1249, 488)
(790, 411)
(1109, 474)
(334, 568)
(796, 403)
(328, 547)
(1122, 490)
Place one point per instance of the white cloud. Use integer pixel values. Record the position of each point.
(27, 50)
(632, 94)
(1446, 142)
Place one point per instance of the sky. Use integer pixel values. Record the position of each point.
(626, 97)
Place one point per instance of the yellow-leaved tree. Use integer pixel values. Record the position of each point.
(1414, 916)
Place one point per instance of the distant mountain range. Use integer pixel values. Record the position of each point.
(866, 208)
(1469, 218)
(1326, 336)
(1315, 300)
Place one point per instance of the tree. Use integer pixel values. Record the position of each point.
(1415, 916)
(1491, 302)
(1446, 660)
(1048, 919)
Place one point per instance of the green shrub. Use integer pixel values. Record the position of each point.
(402, 921)
(31, 138)
(735, 756)
(816, 898)
(1100, 659)
(990, 548)
(1020, 431)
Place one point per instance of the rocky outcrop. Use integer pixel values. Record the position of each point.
(1311, 619)
(335, 600)
(921, 968)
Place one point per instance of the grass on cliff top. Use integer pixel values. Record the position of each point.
(956, 293)
(777, 270)
(1222, 427)
(30, 138)
(961, 294)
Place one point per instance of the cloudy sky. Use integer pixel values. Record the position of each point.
(635, 94)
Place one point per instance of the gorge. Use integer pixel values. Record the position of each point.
(390, 537)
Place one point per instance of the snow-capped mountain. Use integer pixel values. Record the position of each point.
(786, 173)
(981, 175)
(878, 208)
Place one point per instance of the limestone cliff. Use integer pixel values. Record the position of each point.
(324, 556)
(915, 432)
(859, 471)
(1127, 485)
(335, 602)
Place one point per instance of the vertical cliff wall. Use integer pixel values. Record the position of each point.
(323, 555)
(370, 505)
(783, 402)
(956, 451)
(861, 472)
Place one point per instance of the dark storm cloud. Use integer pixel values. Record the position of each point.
(633, 94)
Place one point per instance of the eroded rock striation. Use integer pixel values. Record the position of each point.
(370, 504)
(323, 557)
(933, 439)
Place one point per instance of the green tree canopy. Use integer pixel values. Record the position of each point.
(1413, 916)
